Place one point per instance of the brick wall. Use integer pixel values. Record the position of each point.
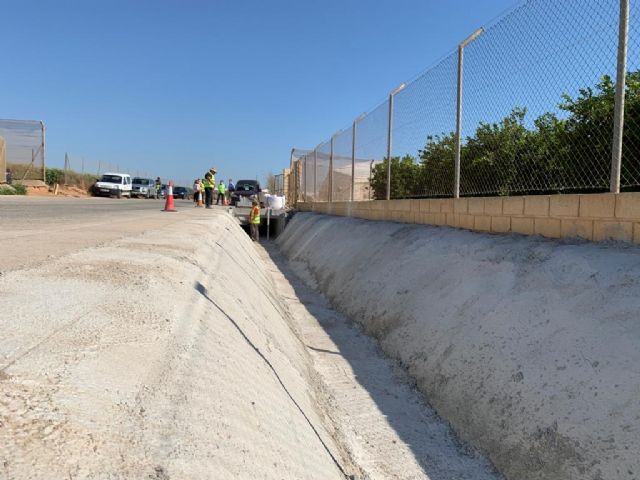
(595, 217)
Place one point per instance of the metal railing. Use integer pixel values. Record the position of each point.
(546, 99)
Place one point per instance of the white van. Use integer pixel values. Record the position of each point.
(113, 184)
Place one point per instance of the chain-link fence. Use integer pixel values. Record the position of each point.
(24, 149)
(526, 105)
(84, 165)
(80, 171)
(295, 186)
(279, 184)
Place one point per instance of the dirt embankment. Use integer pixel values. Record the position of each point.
(62, 191)
(164, 355)
(530, 348)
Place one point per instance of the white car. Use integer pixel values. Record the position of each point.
(113, 184)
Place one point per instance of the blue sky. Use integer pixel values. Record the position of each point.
(174, 87)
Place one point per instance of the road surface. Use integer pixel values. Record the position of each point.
(33, 229)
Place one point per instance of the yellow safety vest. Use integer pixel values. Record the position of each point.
(255, 215)
(221, 188)
(207, 183)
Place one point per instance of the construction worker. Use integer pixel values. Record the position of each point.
(254, 220)
(230, 189)
(208, 187)
(158, 186)
(221, 190)
(197, 192)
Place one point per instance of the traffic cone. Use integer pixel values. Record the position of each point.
(168, 204)
(200, 203)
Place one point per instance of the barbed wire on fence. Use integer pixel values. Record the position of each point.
(526, 106)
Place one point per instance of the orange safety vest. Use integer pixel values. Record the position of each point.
(255, 215)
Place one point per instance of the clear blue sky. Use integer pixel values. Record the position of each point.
(174, 87)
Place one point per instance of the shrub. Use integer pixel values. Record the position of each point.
(19, 188)
(13, 189)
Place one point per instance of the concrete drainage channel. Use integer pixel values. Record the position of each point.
(166, 355)
(528, 347)
(115, 363)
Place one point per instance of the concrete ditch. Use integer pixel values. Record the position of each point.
(169, 356)
(528, 347)
(160, 356)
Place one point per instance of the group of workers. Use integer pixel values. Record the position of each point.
(207, 186)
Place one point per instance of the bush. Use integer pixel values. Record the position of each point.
(54, 175)
(58, 175)
(19, 188)
(13, 189)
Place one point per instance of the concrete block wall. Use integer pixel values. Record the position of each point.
(595, 217)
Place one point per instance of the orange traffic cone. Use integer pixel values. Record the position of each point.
(200, 204)
(168, 205)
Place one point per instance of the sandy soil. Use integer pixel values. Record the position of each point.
(528, 347)
(63, 191)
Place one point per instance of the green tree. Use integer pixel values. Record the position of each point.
(570, 150)
(405, 174)
(437, 162)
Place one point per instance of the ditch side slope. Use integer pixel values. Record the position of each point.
(162, 355)
(528, 347)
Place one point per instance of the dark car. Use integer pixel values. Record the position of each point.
(180, 192)
(246, 188)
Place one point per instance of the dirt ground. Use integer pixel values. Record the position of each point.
(63, 191)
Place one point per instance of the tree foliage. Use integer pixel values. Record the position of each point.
(565, 151)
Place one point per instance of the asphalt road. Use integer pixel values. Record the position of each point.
(34, 229)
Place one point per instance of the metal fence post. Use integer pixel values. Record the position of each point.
(331, 170)
(353, 155)
(305, 178)
(289, 189)
(353, 158)
(44, 162)
(390, 138)
(456, 181)
(618, 114)
(315, 174)
(67, 167)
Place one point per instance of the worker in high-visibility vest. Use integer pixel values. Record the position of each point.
(221, 189)
(208, 187)
(197, 192)
(254, 221)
